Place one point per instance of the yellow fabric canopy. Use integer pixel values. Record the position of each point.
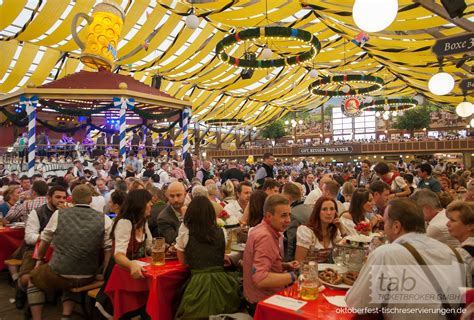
(36, 46)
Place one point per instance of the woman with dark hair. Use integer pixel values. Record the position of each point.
(256, 201)
(130, 238)
(360, 208)
(322, 232)
(189, 166)
(114, 169)
(201, 246)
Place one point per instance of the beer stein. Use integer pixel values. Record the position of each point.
(103, 32)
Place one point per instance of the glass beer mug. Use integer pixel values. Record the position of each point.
(158, 251)
(103, 32)
(309, 282)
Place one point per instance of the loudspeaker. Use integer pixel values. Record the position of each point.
(455, 8)
(156, 81)
(248, 73)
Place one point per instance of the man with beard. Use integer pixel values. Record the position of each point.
(171, 217)
(37, 221)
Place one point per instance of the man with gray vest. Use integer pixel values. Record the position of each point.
(36, 222)
(78, 235)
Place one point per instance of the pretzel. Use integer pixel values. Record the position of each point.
(330, 276)
(350, 277)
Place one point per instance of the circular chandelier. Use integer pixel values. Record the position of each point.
(344, 82)
(390, 104)
(280, 33)
(224, 122)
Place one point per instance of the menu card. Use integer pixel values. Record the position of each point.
(285, 302)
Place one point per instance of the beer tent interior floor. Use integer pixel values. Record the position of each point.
(8, 310)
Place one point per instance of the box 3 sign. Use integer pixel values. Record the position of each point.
(467, 84)
(454, 45)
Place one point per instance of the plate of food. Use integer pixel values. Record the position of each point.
(336, 277)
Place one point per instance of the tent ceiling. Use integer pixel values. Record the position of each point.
(36, 46)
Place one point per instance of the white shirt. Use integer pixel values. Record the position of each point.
(32, 228)
(122, 234)
(395, 257)
(183, 238)
(48, 232)
(234, 209)
(164, 176)
(98, 203)
(313, 196)
(306, 238)
(437, 229)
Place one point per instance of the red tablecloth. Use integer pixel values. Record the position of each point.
(156, 291)
(10, 240)
(316, 309)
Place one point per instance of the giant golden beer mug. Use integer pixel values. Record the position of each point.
(103, 32)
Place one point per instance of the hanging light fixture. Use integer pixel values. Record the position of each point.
(313, 73)
(267, 53)
(192, 21)
(465, 109)
(441, 83)
(374, 15)
(345, 88)
(378, 114)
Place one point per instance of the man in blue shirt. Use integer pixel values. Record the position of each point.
(426, 180)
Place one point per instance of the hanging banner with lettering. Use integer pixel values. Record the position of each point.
(350, 106)
(325, 150)
(454, 45)
(467, 84)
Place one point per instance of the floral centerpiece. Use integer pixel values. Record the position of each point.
(225, 220)
(364, 227)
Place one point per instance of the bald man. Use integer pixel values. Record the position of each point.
(171, 217)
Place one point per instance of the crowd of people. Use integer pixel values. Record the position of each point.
(286, 212)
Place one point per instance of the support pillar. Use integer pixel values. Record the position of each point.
(30, 105)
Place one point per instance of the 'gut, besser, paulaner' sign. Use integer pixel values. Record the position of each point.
(325, 150)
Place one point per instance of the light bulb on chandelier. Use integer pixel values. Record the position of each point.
(378, 114)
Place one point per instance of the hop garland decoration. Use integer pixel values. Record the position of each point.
(388, 104)
(374, 83)
(282, 33)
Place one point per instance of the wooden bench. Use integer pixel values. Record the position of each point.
(93, 293)
(94, 285)
(91, 290)
(13, 262)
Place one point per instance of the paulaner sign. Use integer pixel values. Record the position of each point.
(325, 150)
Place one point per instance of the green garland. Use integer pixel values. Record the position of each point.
(375, 83)
(394, 103)
(18, 119)
(268, 32)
